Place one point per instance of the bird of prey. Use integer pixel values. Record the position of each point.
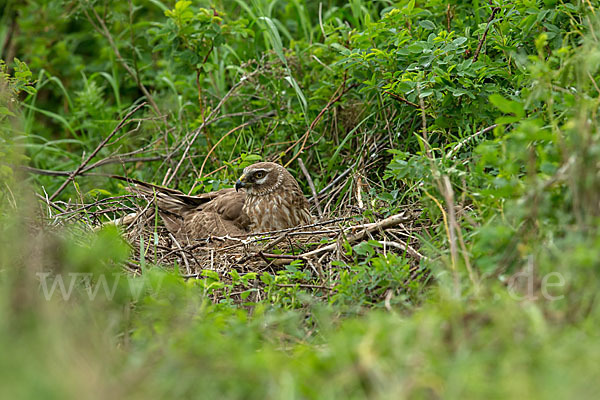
(266, 197)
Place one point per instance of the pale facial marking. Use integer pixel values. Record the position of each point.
(261, 180)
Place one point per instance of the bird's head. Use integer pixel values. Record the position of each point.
(260, 178)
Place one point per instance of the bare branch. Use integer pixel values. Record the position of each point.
(93, 153)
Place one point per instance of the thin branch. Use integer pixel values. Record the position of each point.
(448, 17)
(280, 256)
(119, 160)
(404, 247)
(262, 236)
(84, 172)
(401, 99)
(311, 185)
(487, 28)
(270, 113)
(468, 138)
(336, 180)
(337, 95)
(367, 228)
(51, 204)
(103, 30)
(185, 260)
(93, 154)
(209, 120)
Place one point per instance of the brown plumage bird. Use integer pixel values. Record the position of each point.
(270, 199)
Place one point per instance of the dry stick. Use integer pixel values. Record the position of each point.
(259, 237)
(335, 181)
(93, 154)
(297, 228)
(448, 193)
(473, 136)
(593, 82)
(237, 128)
(401, 99)
(424, 123)
(119, 160)
(274, 243)
(332, 197)
(311, 185)
(279, 256)
(368, 228)
(321, 21)
(98, 203)
(6, 45)
(45, 172)
(222, 138)
(200, 102)
(306, 285)
(222, 167)
(487, 28)
(209, 120)
(449, 227)
(106, 33)
(84, 172)
(404, 247)
(46, 198)
(51, 204)
(455, 232)
(132, 268)
(187, 265)
(337, 95)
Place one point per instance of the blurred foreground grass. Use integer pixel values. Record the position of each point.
(157, 336)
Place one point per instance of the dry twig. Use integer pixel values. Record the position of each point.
(312, 186)
(93, 153)
(487, 28)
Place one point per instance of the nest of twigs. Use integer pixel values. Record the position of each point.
(315, 247)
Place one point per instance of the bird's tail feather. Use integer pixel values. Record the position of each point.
(171, 204)
(167, 199)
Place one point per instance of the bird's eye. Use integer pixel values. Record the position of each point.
(259, 174)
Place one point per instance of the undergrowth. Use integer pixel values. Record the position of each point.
(480, 118)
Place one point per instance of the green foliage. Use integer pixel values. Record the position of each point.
(479, 117)
(191, 34)
(11, 86)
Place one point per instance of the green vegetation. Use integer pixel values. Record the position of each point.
(480, 118)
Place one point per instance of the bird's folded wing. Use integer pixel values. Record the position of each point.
(204, 224)
(217, 213)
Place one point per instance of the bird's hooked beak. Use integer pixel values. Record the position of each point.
(240, 183)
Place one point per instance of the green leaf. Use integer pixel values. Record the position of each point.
(266, 278)
(364, 249)
(340, 48)
(274, 37)
(54, 116)
(427, 24)
(458, 41)
(6, 111)
(507, 106)
(299, 93)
